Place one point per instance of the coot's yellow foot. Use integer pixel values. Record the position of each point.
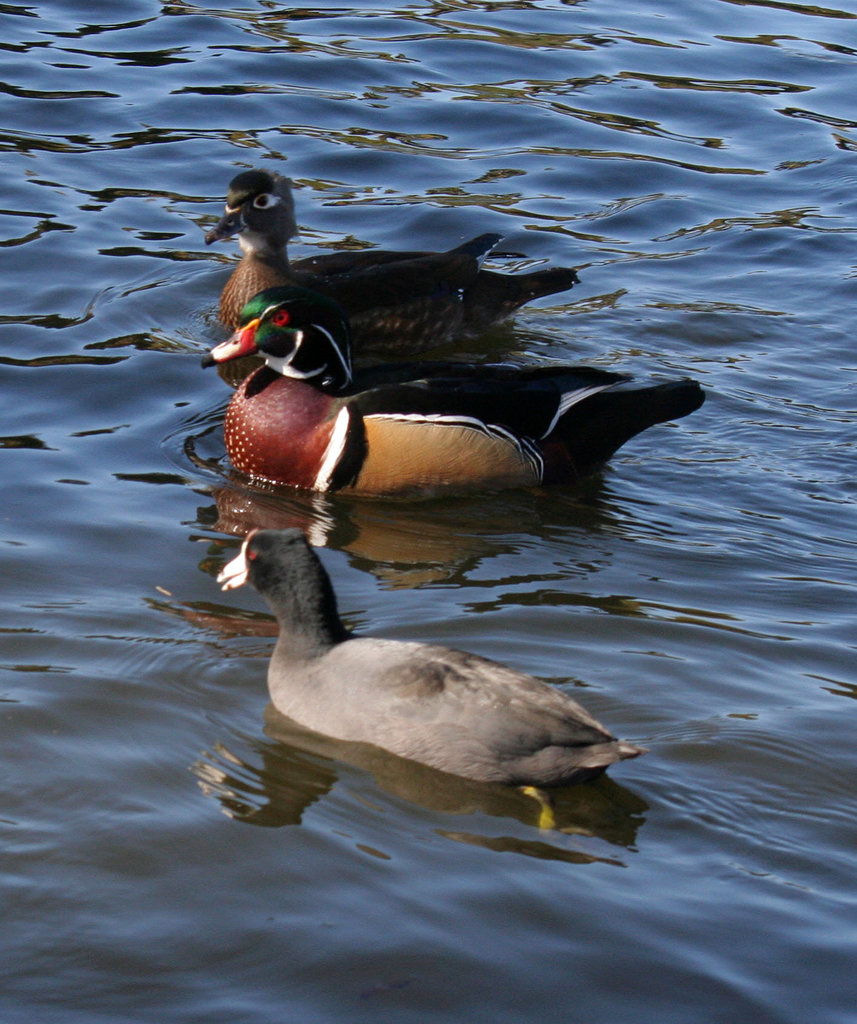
(547, 819)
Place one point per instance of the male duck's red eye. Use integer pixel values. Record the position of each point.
(280, 318)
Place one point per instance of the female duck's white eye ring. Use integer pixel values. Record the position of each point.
(264, 200)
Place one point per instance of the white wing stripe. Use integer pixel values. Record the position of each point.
(571, 398)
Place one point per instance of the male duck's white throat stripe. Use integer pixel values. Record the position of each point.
(284, 364)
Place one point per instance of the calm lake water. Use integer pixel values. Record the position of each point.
(170, 852)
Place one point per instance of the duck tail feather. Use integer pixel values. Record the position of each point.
(601, 755)
(544, 282)
(592, 430)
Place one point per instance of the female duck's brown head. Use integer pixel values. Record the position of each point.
(260, 210)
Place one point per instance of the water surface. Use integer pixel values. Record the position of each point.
(171, 851)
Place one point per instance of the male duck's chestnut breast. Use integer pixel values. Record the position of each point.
(277, 429)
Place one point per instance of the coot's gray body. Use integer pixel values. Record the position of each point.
(454, 711)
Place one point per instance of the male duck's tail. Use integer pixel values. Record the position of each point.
(592, 430)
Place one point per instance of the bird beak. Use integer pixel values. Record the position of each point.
(234, 573)
(242, 343)
(230, 224)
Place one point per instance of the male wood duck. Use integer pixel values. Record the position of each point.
(396, 301)
(306, 419)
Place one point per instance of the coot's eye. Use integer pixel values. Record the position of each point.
(251, 555)
(280, 318)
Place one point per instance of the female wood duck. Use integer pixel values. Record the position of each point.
(306, 419)
(395, 301)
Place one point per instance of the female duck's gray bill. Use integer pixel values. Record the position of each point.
(230, 224)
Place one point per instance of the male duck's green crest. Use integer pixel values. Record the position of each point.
(301, 334)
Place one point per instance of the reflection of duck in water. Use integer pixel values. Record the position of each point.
(447, 709)
(397, 301)
(406, 544)
(274, 784)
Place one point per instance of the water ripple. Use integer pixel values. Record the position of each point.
(697, 163)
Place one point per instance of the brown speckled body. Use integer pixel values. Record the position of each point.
(384, 317)
(253, 274)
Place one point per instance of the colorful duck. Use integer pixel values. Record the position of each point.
(307, 419)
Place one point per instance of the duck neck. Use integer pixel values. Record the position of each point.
(256, 245)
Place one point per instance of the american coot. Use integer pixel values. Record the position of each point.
(307, 419)
(454, 711)
(397, 301)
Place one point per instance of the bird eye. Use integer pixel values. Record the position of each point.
(251, 555)
(261, 202)
(280, 318)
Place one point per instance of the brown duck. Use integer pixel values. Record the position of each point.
(397, 302)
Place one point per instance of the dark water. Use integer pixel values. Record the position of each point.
(168, 853)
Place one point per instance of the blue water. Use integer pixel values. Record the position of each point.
(170, 852)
